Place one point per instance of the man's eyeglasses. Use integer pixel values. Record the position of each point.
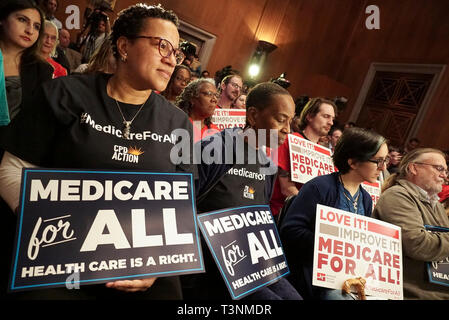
(235, 86)
(440, 169)
(380, 162)
(166, 48)
(211, 94)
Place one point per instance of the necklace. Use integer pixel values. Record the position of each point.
(353, 202)
(126, 123)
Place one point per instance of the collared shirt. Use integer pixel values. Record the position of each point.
(433, 199)
(347, 204)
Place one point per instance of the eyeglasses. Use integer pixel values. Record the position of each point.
(181, 78)
(235, 85)
(166, 48)
(440, 169)
(51, 37)
(380, 162)
(210, 94)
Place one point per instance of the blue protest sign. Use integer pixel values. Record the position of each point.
(246, 247)
(103, 226)
(438, 271)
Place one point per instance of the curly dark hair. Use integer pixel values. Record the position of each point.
(130, 21)
(184, 100)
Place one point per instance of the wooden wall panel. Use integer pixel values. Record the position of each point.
(410, 32)
(323, 45)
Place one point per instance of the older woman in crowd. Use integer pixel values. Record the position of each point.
(145, 42)
(199, 100)
(48, 48)
(360, 155)
(178, 81)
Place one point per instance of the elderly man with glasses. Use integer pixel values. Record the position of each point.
(410, 200)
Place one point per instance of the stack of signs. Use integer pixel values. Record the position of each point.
(373, 189)
(86, 227)
(229, 118)
(246, 247)
(438, 270)
(309, 160)
(348, 245)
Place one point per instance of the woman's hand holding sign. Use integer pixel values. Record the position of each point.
(132, 285)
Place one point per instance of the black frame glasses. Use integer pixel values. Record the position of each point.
(380, 162)
(439, 168)
(166, 48)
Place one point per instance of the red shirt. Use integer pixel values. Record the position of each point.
(204, 132)
(277, 199)
(59, 71)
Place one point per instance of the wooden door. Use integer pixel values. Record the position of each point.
(393, 102)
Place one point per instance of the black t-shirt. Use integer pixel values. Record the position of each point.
(75, 124)
(243, 183)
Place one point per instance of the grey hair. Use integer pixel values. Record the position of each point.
(184, 100)
(410, 157)
(48, 23)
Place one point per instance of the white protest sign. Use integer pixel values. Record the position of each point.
(308, 160)
(229, 118)
(373, 189)
(348, 245)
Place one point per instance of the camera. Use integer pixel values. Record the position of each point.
(93, 17)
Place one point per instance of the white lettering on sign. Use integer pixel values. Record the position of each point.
(263, 250)
(116, 236)
(52, 234)
(237, 221)
(232, 255)
(90, 190)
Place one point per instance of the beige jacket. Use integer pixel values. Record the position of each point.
(74, 58)
(406, 206)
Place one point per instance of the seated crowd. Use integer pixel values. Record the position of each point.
(134, 76)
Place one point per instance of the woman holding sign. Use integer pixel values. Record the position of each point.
(245, 179)
(93, 121)
(360, 155)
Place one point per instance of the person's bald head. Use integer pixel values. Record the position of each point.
(64, 38)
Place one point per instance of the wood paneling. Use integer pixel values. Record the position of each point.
(323, 45)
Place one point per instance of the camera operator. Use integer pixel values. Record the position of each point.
(97, 28)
